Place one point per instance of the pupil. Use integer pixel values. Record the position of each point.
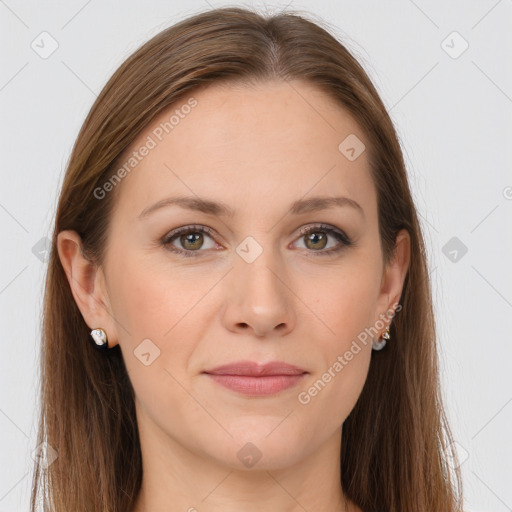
(315, 238)
(192, 238)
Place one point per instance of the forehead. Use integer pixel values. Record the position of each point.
(249, 146)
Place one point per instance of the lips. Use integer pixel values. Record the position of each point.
(254, 369)
(255, 379)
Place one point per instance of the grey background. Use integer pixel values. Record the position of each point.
(453, 116)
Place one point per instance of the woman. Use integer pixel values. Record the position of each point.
(238, 312)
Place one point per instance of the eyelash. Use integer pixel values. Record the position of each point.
(339, 235)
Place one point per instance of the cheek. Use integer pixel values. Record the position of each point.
(346, 308)
(332, 393)
(163, 303)
(151, 304)
(343, 300)
(152, 300)
(151, 307)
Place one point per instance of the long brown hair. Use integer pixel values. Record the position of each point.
(396, 452)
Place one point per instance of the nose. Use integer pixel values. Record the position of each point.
(258, 299)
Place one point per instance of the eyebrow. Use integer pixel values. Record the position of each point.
(219, 209)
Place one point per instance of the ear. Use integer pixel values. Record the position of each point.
(87, 284)
(393, 277)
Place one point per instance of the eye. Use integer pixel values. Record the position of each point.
(192, 239)
(316, 239)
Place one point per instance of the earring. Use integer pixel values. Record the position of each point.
(379, 345)
(99, 336)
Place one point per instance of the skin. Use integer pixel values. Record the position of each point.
(257, 149)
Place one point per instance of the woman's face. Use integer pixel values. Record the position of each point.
(252, 288)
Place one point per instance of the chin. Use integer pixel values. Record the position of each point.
(262, 447)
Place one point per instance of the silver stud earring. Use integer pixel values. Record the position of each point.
(99, 337)
(379, 345)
